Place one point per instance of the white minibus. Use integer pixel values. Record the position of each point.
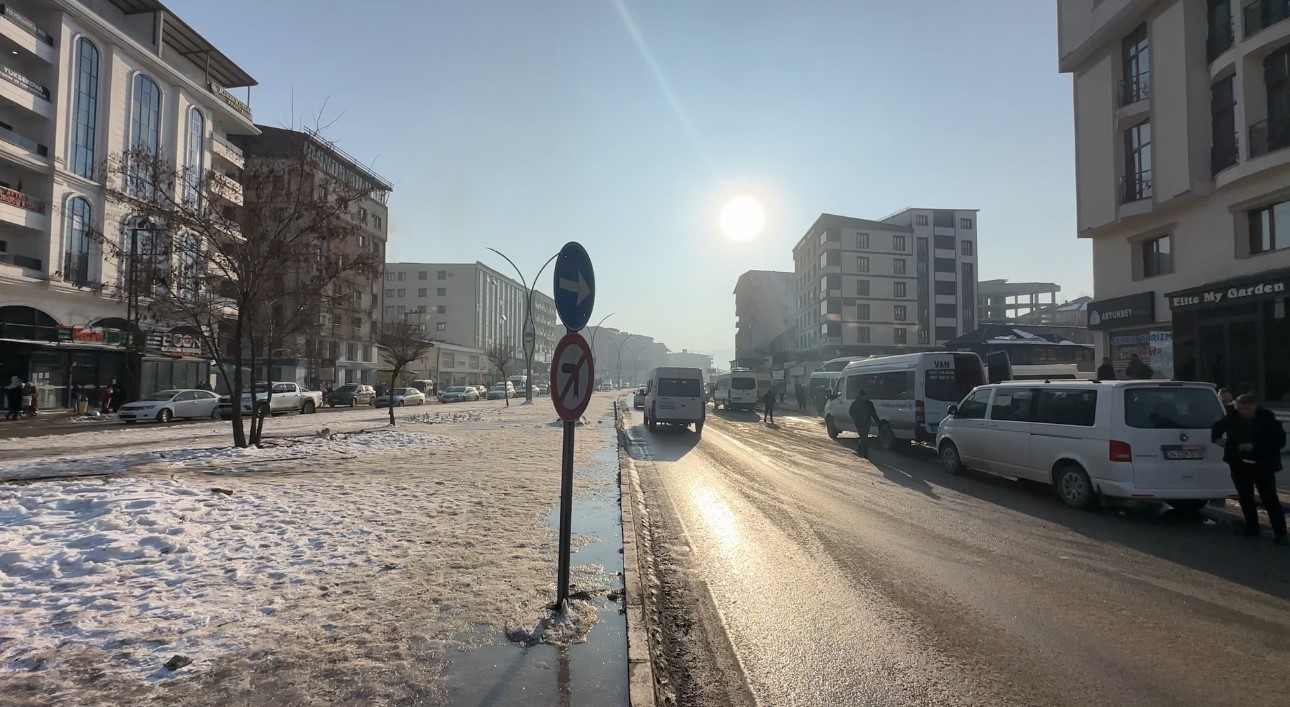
(674, 396)
(736, 390)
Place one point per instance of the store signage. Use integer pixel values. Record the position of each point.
(1119, 312)
(233, 101)
(1222, 295)
(176, 343)
(91, 335)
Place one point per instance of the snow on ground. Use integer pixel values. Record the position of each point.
(330, 569)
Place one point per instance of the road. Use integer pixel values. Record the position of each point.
(791, 572)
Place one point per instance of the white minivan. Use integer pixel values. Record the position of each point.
(736, 390)
(1146, 440)
(674, 396)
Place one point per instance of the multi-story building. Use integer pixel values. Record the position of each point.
(689, 359)
(341, 349)
(472, 305)
(765, 307)
(1191, 261)
(1000, 301)
(621, 355)
(945, 262)
(79, 84)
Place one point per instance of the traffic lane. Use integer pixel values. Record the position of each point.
(1075, 607)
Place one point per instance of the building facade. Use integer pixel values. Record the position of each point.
(621, 355)
(689, 359)
(80, 83)
(945, 258)
(1190, 260)
(765, 307)
(472, 305)
(1000, 301)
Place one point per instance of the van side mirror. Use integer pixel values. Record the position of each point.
(952, 410)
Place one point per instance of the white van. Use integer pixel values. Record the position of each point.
(674, 396)
(910, 392)
(736, 390)
(1147, 440)
(821, 380)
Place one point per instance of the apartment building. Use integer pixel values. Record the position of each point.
(1182, 124)
(945, 263)
(472, 305)
(622, 355)
(342, 348)
(80, 82)
(686, 358)
(765, 307)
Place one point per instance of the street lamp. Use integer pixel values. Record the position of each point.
(618, 369)
(528, 319)
(636, 363)
(592, 343)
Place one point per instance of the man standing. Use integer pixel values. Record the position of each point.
(1252, 440)
(801, 397)
(862, 413)
(1106, 371)
(13, 399)
(1137, 369)
(1229, 403)
(769, 401)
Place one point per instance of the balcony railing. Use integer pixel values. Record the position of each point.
(22, 261)
(1220, 39)
(1224, 154)
(8, 135)
(225, 187)
(1135, 88)
(1135, 187)
(26, 84)
(22, 21)
(1261, 14)
(76, 268)
(1267, 137)
(13, 197)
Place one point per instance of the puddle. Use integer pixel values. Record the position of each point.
(592, 673)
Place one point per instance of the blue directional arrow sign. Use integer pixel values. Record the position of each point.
(575, 286)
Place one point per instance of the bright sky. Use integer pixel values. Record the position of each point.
(521, 125)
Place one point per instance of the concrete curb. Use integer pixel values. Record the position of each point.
(640, 667)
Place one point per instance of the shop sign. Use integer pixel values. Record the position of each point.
(91, 335)
(1118, 312)
(1155, 347)
(176, 343)
(233, 101)
(1271, 287)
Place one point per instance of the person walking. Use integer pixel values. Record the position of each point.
(1106, 371)
(1252, 440)
(1137, 369)
(13, 399)
(29, 404)
(105, 397)
(769, 401)
(801, 397)
(862, 413)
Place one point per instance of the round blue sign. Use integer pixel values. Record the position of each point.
(575, 286)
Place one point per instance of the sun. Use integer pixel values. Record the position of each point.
(742, 218)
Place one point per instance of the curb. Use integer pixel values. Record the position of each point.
(640, 668)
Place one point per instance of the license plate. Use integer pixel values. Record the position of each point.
(1177, 452)
(667, 406)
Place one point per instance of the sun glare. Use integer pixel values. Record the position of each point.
(742, 218)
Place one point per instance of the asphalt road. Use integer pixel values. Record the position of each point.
(791, 572)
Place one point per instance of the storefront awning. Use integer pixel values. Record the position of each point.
(1249, 288)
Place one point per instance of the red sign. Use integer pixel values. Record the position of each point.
(573, 375)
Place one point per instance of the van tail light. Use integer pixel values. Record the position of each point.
(920, 414)
(1121, 452)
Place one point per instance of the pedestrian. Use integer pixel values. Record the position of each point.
(118, 397)
(1252, 440)
(801, 397)
(782, 392)
(105, 397)
(13, 399)
(1106, 371)
(29, 399)
(1229, 403)
(1137, 369)
(862, 413)
(769, 401)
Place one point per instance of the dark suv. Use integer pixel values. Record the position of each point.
(351, 395)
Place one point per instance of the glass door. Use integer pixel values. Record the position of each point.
(1231, 353)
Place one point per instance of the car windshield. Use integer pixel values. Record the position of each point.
(162, 395)
(347, 389)
(456, 389)
(1181, 408)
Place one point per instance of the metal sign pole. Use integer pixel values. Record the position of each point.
(566, 517)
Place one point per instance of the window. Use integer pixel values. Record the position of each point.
(921, 219)
(966, 247)
(945, 287)
(897, 289)
(898, 244)
(946, 333)
(1056, 406)
(421, 291)
(862, 264)
(833, 282)
(195, 158)
(402, 276)
(943, 242)
(898, 266)
(441, 309)
(942, 218)
(77, 261)
(376, 221)
(402, 292)
(973, 406)
(145, 115)
(1136, 60)
(833, 329)
(85, 108)
(1157, 256)
(901, 336)
(1275, 133)
(1171, 408)
(862, 241)
(358, 299)
(833, 306)
(1012, 404)
(440, 326)
(1220, 35)
(900, 313)
(423, 275)
(399, 310)
(389, 277)
(862, 312)
(441, 291)
(389, 312)
(862, 288)
(680, 388)
(1222, 113)
(441, 275)
(862, 335)
(1269, 227)
(832, 257)
(946, 311)
(1137, 162)
(943, 264)
(389, 293)
(965, 223)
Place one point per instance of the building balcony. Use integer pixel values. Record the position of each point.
(228, 152)
(1261, 14)
(19, 30)
(14, 266)
(1268, 137)
(23, 210)
(1220, 39)
(1135, 88)
(25, 93)
(1224, 154)
(232, 101)
(22, 147)
(1135, 187)
(225, 188)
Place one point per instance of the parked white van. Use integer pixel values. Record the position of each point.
(911, 393)
(1144, 439)
(736, 390)
(674, 396)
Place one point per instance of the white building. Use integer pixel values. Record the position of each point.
(472, 305)
(688, 359)
(1182, 120)
(80, 82)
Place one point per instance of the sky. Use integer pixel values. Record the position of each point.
(626, 125)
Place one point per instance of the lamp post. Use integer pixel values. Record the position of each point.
(618, 369)
(636, 363)
(528, 319)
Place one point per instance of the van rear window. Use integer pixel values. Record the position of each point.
(679, 388)
(743, 383)
(1171, 408)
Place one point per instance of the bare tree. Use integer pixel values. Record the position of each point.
(401, 343)
(245, 277)
(501, 355)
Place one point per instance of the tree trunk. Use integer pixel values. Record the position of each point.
(393, 377)
(235, 391)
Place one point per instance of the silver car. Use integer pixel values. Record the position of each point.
(166, 405)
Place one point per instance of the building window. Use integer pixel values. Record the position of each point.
(862, 288)
(900, 313)
(1157, 256)
(399, 310)
(422, 291)
(833, 329)
(862, 264)
(898, 266)
(898, 244)
(1222, 113)
(862, 241)
(76, 266)
(402, 292)
(376, 221)
(358, 299)
(943, 264)
(195, 159)
(965, 223)
(1137, 162)
(85, 108)
(389, 277)
(441, 291)
(862, 335)
(862, 312)
(441, 309)
(921, 219)
(901, 336)
(946, 311)
(946, 333)
(402, 276)
(423, 275)
(389, 311)
(1269, 228)
(832, 257)
(833, 282)
(1274, 133)
(389, 293)
(145, 115)
(945, 287)
(1136, 83)
(441, 275)
(440, 326)
(1220, 28)
(897, 289)
(966, 247)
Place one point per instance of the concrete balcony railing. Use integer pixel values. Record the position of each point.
(20, 80)
(225, 188)
(8, 135)
(228, 152)
(32, 267)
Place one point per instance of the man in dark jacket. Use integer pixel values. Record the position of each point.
(862, 413)
(769, 401)
(1106, 371)
(1137, 369)
(1252, 439)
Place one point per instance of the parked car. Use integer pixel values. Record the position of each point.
(402, 397)
(501, 391)
(638, 399)
(352, 395)
(165, 405)
(606, 386)
(1142, 439)
(285, 398)
(481, 391)
(459, 394)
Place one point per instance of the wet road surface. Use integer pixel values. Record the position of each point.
(792, 572)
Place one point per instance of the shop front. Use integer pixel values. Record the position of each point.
(1235, 334)
(1127, 326)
